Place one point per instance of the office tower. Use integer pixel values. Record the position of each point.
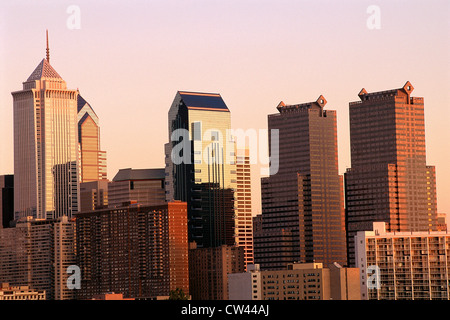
(298, 281)
(137, 251)
(389, 179)
(303, 216)
(244, 227)
(403, 265)
(92, 159)
(209, 269)
(200, 166)
(37, 253)
(93, 195)
(142, 186)
(6, 200)
(45, 146)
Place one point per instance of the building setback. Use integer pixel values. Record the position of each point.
(389, 179)
(303, 216)
(403, 265)
(137, 251)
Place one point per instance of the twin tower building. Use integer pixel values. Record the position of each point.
(309, 211)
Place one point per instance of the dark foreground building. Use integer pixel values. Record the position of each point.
(303, 217)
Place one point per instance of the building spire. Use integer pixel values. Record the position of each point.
(48, 50)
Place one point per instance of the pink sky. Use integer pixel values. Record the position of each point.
(129, 58)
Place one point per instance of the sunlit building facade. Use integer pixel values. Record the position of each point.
(244, 221)
(45, 146)
(389, 179)
(298, 281)
(92, 158)
(403, 265)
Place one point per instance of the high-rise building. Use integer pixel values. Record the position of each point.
(303, 217)
(45, 146)
(243, 205)
(142, 186)
(403, 265)
(92, 159)
(37, 253)
(137, 251)
(6, 200)
(389, 179)
(200, 166)
(209, 269)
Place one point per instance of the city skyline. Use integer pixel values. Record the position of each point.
(287, 58)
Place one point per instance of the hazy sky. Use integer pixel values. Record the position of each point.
(129, 58)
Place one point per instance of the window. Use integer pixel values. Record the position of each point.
(197, 131)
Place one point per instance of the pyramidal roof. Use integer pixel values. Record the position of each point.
(44, 71)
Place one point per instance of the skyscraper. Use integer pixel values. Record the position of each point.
(244, 222)
(302, 204)
(45, 146)
(389, 179)
(92, 159)
(200, 166)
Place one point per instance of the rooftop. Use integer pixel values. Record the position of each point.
(203, 101)
(44, 71)
(139, 174)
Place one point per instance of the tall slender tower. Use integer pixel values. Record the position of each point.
(244, 222)
(302, 204)
(389, 179)
(200, 168)
(45, 146)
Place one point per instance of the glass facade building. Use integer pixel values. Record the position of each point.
(200, 166)
(92, 159)
(45, 146)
